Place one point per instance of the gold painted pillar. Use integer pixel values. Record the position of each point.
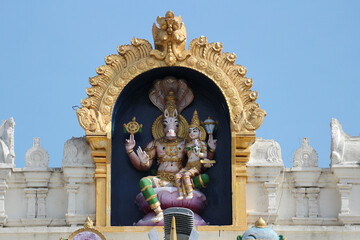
(100, 152)
(240, 156)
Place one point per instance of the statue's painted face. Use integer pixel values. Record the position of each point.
(194, 133)
(170, 124)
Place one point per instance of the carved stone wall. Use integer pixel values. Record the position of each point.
(47, 197)
(56, 200)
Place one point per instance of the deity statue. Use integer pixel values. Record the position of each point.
(196, 150)
(169, 130)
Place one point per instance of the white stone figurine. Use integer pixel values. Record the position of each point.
(7, 154)
(345, 149)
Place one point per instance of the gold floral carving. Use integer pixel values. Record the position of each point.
(170, 39)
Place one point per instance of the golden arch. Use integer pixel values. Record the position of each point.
(139, 57)
(136, 59)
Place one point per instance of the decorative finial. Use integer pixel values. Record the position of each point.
(89, 223)
(36, 142)
(260, 223)
(173, 234)
(305, 156)
(169, 39)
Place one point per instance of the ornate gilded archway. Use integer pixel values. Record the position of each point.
(139, 57)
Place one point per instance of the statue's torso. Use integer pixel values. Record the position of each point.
(192, 157)
(170, 154)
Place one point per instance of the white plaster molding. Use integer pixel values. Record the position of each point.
(34, 222)
(41, 194)
(306, 176)
(36, 178)
(263, 174)
(79, 175)
(72, 190)
(4, 175)
(313, 195)
(36, 207)
(7, 153)
(31, 202)
(37, 158)
(301, 203)
(77, 153)
(45, 223)
(345, 149)
(265, 152)
(305, 156)
(307, 206)
(309, 221)
(271, 188)
(76, 220)
(75, 178)
(349, 173)
(345, 190)
(347, 219)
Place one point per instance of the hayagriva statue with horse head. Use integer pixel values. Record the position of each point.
(168, 147)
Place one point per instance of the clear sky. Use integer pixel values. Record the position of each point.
(304, 58)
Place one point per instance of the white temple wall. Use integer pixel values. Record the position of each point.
(329, 197)
(302, 202)
(285, 200)
(329, 201)
(257, 193)
(354, 199)
(15, 204)
(86, 199)
(16, 201)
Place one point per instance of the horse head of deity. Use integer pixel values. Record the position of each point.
(171, 96)
(170, 124)
(170, 121)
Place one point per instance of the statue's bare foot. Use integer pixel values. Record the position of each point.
(189, 196)
(158, 217)
(180, 197)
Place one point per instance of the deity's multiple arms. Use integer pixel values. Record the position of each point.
(212, 147)
(141, 159)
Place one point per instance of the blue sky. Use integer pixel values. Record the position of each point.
(304, 58)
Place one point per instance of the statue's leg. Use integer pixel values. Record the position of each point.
(187, 181)
(146, 186)
(178, 183)
(201, 181)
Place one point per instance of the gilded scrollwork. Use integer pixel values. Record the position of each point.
(170, 39)
(92, 120)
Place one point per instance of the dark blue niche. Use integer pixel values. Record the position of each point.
(134, 101)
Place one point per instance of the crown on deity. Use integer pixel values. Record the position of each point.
(170, 103)
(195, 123)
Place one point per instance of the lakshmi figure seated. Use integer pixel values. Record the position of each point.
(197, 153)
